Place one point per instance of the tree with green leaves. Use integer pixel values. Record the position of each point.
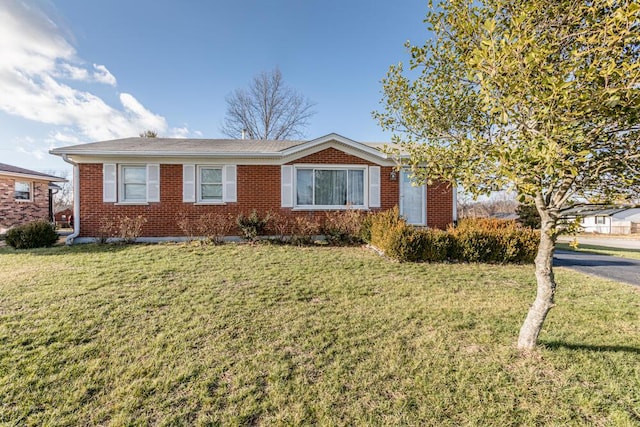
(541, 97)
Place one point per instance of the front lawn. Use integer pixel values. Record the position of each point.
(239, 334)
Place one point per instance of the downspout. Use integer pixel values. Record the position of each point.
(76, 200)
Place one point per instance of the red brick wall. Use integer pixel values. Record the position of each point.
(439, 205)
(14, 213)
(258, 187)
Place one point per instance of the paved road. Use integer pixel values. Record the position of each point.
(609, 267)
(610, 242)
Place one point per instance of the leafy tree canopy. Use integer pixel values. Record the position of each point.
(540, 96)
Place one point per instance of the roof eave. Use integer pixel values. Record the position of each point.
(109, 153)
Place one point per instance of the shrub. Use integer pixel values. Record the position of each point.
(493, 241)
(35, 234)
(303, 230)
(384, 226)
(365, 228)
(343, 227)
(187, 225)
(252, 226)
(278, 226)
(129, 229)
(477, 240)
(106, 229)
(436, 245)
(214, 226)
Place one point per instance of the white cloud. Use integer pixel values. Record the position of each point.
(31, 148)
(182, 132)
(38, 67)
(72, 72)
(103, 75)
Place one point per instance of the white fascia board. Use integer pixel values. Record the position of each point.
(327, 140)
(376, 156)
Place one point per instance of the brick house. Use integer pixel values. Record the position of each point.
(25, 196)
(163, 179)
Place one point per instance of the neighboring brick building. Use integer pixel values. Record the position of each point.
(166, 179)
(25, 196)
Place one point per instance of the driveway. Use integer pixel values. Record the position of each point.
(610, 267)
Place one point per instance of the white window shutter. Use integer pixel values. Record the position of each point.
(374, 186)
(286, 184)
(153, 183)
(188, 183)
(109, 193)
(229, 182)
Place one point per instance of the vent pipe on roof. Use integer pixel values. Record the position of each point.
(244, 131)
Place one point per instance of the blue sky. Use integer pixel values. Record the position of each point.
(79, 71)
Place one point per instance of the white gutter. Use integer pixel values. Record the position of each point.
(76, 200)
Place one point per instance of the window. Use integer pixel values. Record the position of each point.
(330, 187)
(600, 220)
(23, 190)
(134, 184)
(210, 184)
(130, 184)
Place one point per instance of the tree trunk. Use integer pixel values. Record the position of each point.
(546, 285)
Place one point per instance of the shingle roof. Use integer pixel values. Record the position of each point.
(181, 145)
(206, 147)
(14, 170)
(592, 211)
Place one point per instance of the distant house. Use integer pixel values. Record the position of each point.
(606, 220)
(25, 196)
(163, 179)
(63, 217)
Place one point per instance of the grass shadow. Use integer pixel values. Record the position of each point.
(60, 249)
(556, 345)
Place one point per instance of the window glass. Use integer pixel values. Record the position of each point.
(304, 186)
(210, 184)
(23, 190)
(330, 187)
(134, 181)
(355, 193)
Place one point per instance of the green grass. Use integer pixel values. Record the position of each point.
(274, 335)
(604, 250)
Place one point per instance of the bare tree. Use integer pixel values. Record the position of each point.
(267, 109)
(63, 196)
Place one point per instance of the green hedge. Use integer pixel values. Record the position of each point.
(35, 234)
(483, 240)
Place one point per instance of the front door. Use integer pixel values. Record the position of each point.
(412, 200)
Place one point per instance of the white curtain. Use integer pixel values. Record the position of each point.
(304, 186)
(331, 187)
(355, 195)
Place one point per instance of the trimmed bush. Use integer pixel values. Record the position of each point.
(37, 234)
(493, 241)
(478, 240)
